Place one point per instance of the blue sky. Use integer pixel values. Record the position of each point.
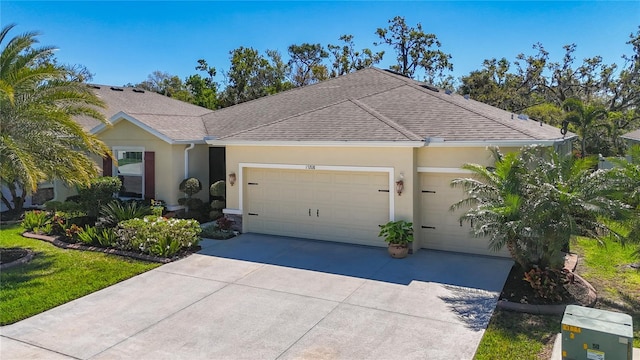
(124, 41)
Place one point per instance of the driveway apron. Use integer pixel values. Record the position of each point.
(269, 297)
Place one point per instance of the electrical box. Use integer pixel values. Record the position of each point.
(593, 334)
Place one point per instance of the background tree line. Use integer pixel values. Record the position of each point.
(598, 101)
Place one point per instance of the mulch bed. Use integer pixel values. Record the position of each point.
(10, 257)
(517, 290)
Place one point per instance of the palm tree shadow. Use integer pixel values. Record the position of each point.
(473, 306)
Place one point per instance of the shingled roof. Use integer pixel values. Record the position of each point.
(171, 119)
(370, 106)
(634, 135)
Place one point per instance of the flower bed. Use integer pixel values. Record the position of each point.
(150, 237)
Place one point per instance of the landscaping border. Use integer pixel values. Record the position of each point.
(61, 244)
(571, 261)
(23, 260)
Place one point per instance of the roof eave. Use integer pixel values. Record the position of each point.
(405, 144)
(503, 143)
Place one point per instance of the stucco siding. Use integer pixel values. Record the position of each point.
(169, 159)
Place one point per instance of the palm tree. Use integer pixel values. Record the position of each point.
(584, 118)
(39, 139)
(533, 201)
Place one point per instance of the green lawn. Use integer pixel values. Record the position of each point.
(513, 335)
(56, 276)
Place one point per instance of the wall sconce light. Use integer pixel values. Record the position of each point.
(232, 178)
(400, 185)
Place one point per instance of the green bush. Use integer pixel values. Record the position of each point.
(190, 186)
(98, 193)
(218, 192)
(107, 238)
(115, 212)
(216, 231)
(218, 189)
(68, 206)
(35, 219)
(158, 236)
(88, 235)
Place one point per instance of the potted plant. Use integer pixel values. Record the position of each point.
(398, 234)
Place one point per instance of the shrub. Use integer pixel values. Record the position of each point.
(224, 223)
(88, 235)
(34, 219)
(98, 193)
(115, 212)
(546, 282)
(107, 238)
(71, 233)
(218, 189)
(190, 186)
(214, 231)
(70, 206)
(157, 207)
(218, 192)
(158, 236)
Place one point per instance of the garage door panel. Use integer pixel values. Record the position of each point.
(444, 231)
(324, 205)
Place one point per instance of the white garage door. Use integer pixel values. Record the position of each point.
(441, 228)
(325, 205)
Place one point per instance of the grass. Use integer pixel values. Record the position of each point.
(56, 276)
(512, 335)
(517, 336)
(618, 285)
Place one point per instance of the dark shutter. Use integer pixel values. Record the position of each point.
(149, 174)
(107, 166)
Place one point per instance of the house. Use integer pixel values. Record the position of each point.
(329, 161)
(632, 138)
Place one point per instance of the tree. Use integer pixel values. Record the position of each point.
(252, 76)
(534, 200)
(306, 65)
(167, 85)
(496, 85)
(584, 117)
(415, 49)
(347, 59)
(39, 138)
(203, 89)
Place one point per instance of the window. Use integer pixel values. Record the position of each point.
(44, 193)
(130, 170)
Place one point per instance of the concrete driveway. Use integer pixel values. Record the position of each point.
(268, 297)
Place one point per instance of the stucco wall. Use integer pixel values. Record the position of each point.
(169, 159)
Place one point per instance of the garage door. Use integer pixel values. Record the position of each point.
(441, 228)
(325, 205)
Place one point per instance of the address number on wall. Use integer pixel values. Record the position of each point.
(310, 167)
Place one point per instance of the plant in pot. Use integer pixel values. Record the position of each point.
(398, 234)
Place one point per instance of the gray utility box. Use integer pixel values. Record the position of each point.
(596, 334)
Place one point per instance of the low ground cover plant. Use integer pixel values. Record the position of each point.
(220, 229)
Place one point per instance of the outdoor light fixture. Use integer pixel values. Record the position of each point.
(400, 184)
(232, 178)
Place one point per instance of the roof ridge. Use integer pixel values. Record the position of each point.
(283, 119)
(401, 129)
(527, 133)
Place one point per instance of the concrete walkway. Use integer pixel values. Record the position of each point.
(267, 297)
